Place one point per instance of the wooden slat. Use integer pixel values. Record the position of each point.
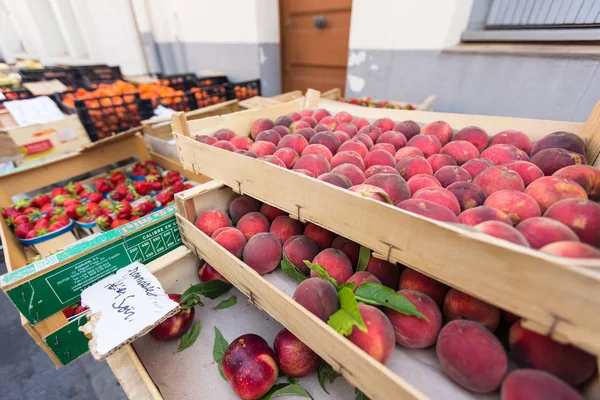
(591, 131)
(132, 375)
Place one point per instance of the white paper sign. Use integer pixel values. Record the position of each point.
(124, 306)
(38, 110)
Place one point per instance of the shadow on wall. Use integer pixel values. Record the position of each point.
(518, 86)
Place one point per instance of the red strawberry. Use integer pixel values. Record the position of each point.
(55, 211)
(41, 200)
(21, 219)
(90, 206)
(178, 187)
(132, 196)
(80, 309)
(84, 194)
(142, 187)
(22, 204)
(147, 206)
(41, 231)
(103, 185)
(173, 174)
(58, 191)
(31, 234)
(22, 229)
(68, 312)
(56, 226)
(133, 218)
(59, 200)
(117, 177)
(153, 173)
(104, 222)
(63, 219)
(75, 211)
(187, 186)
(151, 164)
(105, 203)
(46, 207)
(87, 218)
(10, 211)
(139, 170)
(165, 197)
(41, 223)
(74, 188)
(95, 197)
(155, 182)
(71, 202)
(118, 222)
(31, 211)
(167, 182)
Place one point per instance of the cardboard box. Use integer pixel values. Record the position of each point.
(43, 141)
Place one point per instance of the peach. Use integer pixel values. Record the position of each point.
(385, 147)
(394, 185)
(428, 144)
(584, 175)
(282, 130)
(298, 125)
(253, 223)
(379, 157)
(477, 165)
(328, 140)
(494, 179)
(241, 206)
(336, 263)
(371, 131)
(207, 273)
(316, 164)
(269, 136)
(304, 172)
(386, 272)
(318, 296)
(380, 169)
(540, 231)
(359, 122)
(413, 280)
(531, 384)
(527, 171)
(350, 248)
(350, 171)
(307, 112)
(283, 227)
(307, 133)
(413, 332)
(271, 212)
(474, 135)
(428, 209)
(354, 145)
(287, 155)
(225, 145)
(582, 216)
(246, 153)
(348, 157)
(294, 116)
(370, 191)
(322, 237)
(384, 124)
(336, 179)
(459, 305)
(348, 128)
(421, 181)
(263, 148)
(413, 165)
(294, 141)
(207, 139)
(224, 134)
(449, 174)
(263, 252)
(365, 139)
(471, 356)
(477, 215)
(309, 120)
(329, 122)
(571, 249)
(561, 140)
(319, 113)
(284, 120)
(513, 137)
(299, 248)
(468, 194)
(321, 128)
(343, 116)
(394, 138)
(342, 136)
(318, 149)
(531, 349)
(407, 152)
(517, 205)
(250, 366)
(548, 190)
(461, 151)
(241, 142)
(361, 277)
(439, 129)
(438, 161)
(261, 124)
(407, 128)
(379, 340)
(295, 358)
(232, 239)
(551, 160)
(273, 160)
(501, 154)
(211, 220)
(440, 196)
(502, 231)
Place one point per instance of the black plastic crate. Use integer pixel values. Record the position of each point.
(104, 116)
(15, 94)
(183, 82)
(101, 73)
(208, 96)
(244, 90)
(69, 76)
(178, 102)
(212, 80)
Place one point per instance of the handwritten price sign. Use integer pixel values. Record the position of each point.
(125, 306)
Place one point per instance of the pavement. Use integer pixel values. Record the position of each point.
(26, 373)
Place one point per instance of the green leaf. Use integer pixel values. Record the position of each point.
(326, 375)
(322, 273)
(291, 270)
(379, 295)
(211, 289)
(226, 303)
(347, 316)
(219, 348)
(358, 395)
(291, 379)
(363, 258)
(286, 389)
(189, 338)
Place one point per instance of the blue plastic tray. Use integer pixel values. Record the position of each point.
(48, 236)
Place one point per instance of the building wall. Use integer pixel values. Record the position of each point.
(402, 57)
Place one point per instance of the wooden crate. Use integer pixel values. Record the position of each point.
(519, 280)
(262, 102)
(45, 324)
(427, 105)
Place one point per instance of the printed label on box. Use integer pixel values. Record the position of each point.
(67, 135)
(37, 148)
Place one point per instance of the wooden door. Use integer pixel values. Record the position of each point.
(314, 43)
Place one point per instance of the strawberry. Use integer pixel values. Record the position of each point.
(165, 197)
(74, 188)
(178, 187)
(132, 196)
(41, 231)
(58, 191)
(31, 234)
(22, 204)
(123, 210)
(41, 223)
(84, 194)
(55, 211)
(103, 185)
(155, 182)
(117, 177)
(174, 175)
(75, 211)
(154, 173)
(60, 199)
(46, 207)
(22, 229)
(56, 226)
(105, 203)
(167, 182)
(147, 207)
(95, 197)
(41, 200)
(139, 170)
(21, 219)
(87, 218)
(151, 164)
(68, 312)
(118, 222)
(62, 219)
(31, 211)
(104, 222)
(71, 202)
(133, 218)
(10, 211)
(187, 186)
(80, 309)
(90, 206)
(142, 187)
